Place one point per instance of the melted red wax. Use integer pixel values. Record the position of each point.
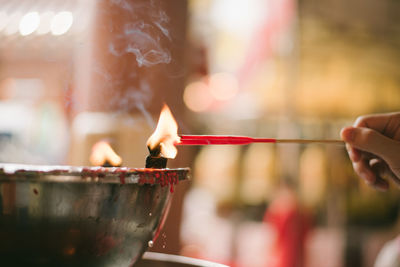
(146, 176)
(122, 177)
(164, 178)
(93, 173)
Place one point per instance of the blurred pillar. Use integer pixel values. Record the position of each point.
(130, 62)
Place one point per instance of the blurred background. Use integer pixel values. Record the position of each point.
(75, 72)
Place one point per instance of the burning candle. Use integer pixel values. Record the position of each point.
(103, 155)
(161, 143)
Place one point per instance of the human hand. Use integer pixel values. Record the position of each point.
(373, 144)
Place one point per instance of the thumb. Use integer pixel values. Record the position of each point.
(371, 141)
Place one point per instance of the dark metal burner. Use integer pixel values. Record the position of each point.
(81, 216)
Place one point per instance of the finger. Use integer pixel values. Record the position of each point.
(377, 122)
(364, 171)
(371, 177)
(381, 169)
(371, 141)
(381, 185)
(354, 154)
(357, 155)
(368, 174)
(387, 124)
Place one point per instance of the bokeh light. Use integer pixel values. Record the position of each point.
(29, 23)
(197, 97)
(223, 86)
(61, 23)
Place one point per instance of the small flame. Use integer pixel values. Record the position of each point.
(166, 135)
(102, 152)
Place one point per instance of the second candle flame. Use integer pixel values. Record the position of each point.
(103, 153)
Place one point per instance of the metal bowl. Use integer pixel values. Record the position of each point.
(152, 259)
(81, 216)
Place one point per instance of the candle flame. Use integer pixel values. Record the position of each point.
(166, 135)
(102, 152)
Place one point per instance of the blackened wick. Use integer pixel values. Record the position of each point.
(155, 160)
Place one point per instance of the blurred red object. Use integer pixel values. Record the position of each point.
(283, 14)
(292, 226)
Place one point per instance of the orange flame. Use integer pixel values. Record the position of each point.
(165, 135)
(102, 152)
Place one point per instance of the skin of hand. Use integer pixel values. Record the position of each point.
(373, 144)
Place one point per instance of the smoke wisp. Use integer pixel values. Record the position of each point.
(144, 40)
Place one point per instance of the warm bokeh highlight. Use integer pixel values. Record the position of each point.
(103, 153)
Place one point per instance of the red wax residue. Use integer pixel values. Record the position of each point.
(142, 178)
(163, 178)
(122, 177)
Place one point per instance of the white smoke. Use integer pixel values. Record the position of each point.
(144, 40)
(123, 4)
(147, 36)
(134, 98)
